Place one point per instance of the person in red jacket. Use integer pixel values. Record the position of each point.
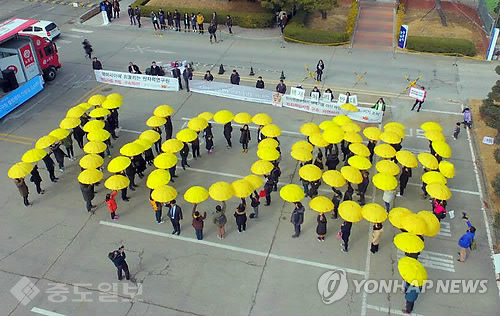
(111, 202)
(198, 222)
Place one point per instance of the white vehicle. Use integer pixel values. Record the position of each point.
(44, 29)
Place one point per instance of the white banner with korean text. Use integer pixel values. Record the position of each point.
(126, 79)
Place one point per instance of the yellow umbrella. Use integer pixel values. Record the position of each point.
(334, 178)
(385, 181)
(242, 188)
(152, 136)
(447, 169)
(98, 135)
(309, 129)
(172, 145)
(394, 124)
(374, 213)
(268, 154)
(90, 176)
(117, 182)
(408, 242)
(163, 110)
(301, 154)
(396, 216)
(155, 121)
(186, 135)
(292, 193)
(33, 155)
(75, 111)
(59, 133)
(45, 141)
(93, 125)
(69, 122)
(353, 137)
(261, 167)
(433, 225)
(223, 117)
(268, 143)
(395, 130)
(114, 96)
(111, 104)
(438, 191)
(99, 112)
(131, 149)
(94, 147)
(321, 204)
(310, 172)
(435, 136)
(164, 194)
(158, 178)
(428, 161)
(262, 119)
(85, 106)
(349, 107)
(359, 162)
(390, 137)
(351, 128)
(196, 195)
(328, 124)
(433, 177)
(442, 149)
(20, 170)
(407, 159)
(271, 130)
(243, 118)
(387, 166)
(197, 124)
(350, 211)
(144, 143)
(372, 133)
(91, 161)
(221, 191)
(431, 126)
(414, 224)
(412, 271)
(385, 151)
(318, 140)
(351, 174)
(359, 149)
(206, 115)
(333, 135)
(118, 164)
(341, 120)
(254, 180)
(97, 99)
(165, 161)
(301, 144)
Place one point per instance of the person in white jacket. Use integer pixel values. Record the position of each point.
(388, 198)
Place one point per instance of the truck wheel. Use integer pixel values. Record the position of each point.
(50, 74)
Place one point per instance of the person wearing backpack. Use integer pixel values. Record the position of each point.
(111, 202)
(255, 204)
(241, 217)
(157, 207)
(467, 239)
(220, 220)
(198, 222)
(118, 258)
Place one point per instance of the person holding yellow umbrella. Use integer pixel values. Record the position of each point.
(18, 172)
(36, 179)
(403, 179)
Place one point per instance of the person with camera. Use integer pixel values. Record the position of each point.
(118, 258)
(467, 239)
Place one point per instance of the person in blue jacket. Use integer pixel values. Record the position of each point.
(411, 295)
(467, 239)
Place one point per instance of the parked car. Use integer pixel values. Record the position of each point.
(44, 29)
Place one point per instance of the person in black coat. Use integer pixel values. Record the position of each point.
(195, 146)
(348, 193)
(177, 20)
(158, 142)
(168, 128)
(137, 12)
(403, 179)
(133, 68)
(268, 188)
(88, 196)
(149, 157)
(155, 69)
(87, 48)
(371, 147)
(345, 229)
(260, 83)
(362, 187)
(208, 76)
(321, 227)
(58, 155)
(228, 129)
(139, 164)
(176, 73)
(332, 160)
(96, 64)
(187, 75)
(275, 176)
(245, 137)
(241, 217)
(297, 218)
(130, 172)
(344, 147)
(175, 215)
(235, 77)
(118, 259)
(78, 135)
(212, 29)
(131, 15)
(281, 87)
(36, 179)
(184, 155)
(336, 202)
(49, 165)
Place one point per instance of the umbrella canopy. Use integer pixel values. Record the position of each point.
(408, 242)
(221, 191)
(353, 137)
(158, 178)
(268, 143)
(341, 120)
(438, 191)
(196, 195)
(45, 141)
(374, 213)
(94, 147)
(385, 181)
(59, 133)
(351, 174)
(131, 149)
(33, 155)
(385, 151)
(301, 154)
(442, 149)
(393, 129)
(117, 182)
(164, 194)
(333, 135)
(91, 161)
(85, 106)
(243, 118)
(412, 271)
(223, 117)
(327, 124)
(349, 107)
(318, 140)
(99, 112)
(435, 136)
(20, 170)
(310, 172)
(397, 214)
(292, 193)
(186, 135)
(155, 121)
(197, 124)
(431, 126)
(414, 224)
(350, 211)
(98, 135)
(334, 178)
(75, 111)
(111, 104)
(446, 168)
(359, 162)
(165, 161)
(90, 176)
(351, 127)
(372, 133)
(359, 149)
(321, 204)
(309, 129)
(268, 154)
(206, 115)
(433, 225)
(271, 130)
(387, 166)
(254, 180)
(428, 161)
(118, 164)
(69, 122)
(407, 158)
(242, 188)
(262, 119)
(144, 143)
(433, 177)
(301, 145)
(163, 110)
(262, 167)
(394, 124)
(390, 137)
(172, 145)
(96, 99)
(93, 125)
(114, 96)
(152, 136)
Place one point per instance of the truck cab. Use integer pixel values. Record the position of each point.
(46, 51)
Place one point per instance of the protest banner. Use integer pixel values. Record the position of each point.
(417, 93)
(137, 81)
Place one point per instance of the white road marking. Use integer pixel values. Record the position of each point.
(445, 229)
(233, 248)
(71, 35)
(81, 31)
(45, 312)
(389, 311)
(64, 41)
(250, 126)
(50, 9)
(129, 131)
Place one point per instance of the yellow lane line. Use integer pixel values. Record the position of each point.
(15, 136)
(15, 141)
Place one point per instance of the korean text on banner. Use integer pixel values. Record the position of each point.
(20, 95)
(232, 91)
(417, 93)
(137, 81)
